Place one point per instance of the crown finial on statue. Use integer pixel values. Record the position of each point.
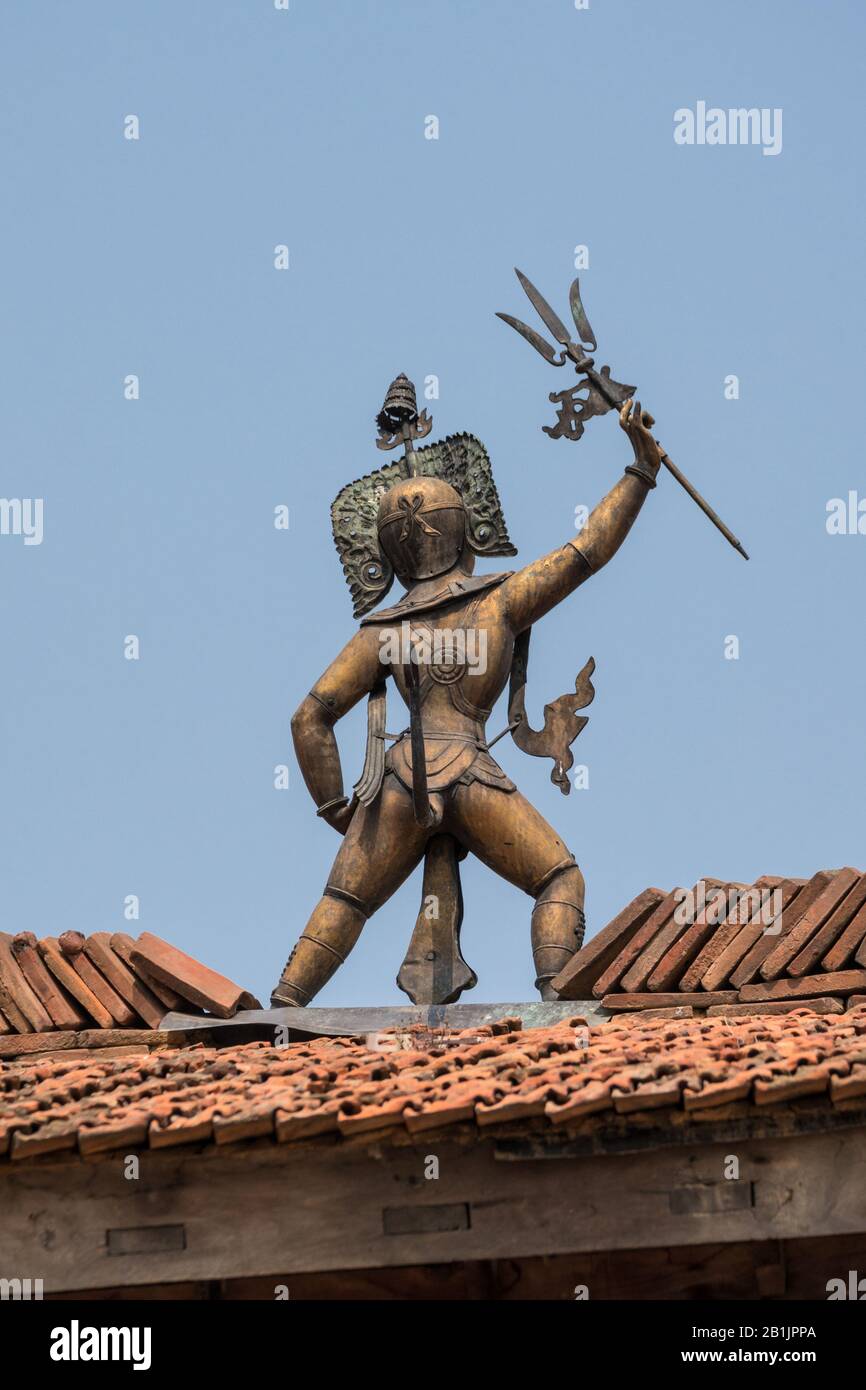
(399, 421)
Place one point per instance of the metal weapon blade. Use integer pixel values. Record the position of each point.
(544, 311)
(578, 313)
(605, 394)
(548, 353)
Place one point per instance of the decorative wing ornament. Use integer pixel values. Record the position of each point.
(368, 572)
(463, 461)
(460, 460)
(562, 723)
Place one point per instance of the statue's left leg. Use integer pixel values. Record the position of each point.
(506, 832)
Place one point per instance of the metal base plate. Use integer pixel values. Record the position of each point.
(261, 1024)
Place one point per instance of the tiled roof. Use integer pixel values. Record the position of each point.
(730, 947)
(395, 1086)
(110, 981)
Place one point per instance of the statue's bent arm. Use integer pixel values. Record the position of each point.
(351, 676)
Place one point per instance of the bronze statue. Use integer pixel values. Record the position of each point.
(451, 644)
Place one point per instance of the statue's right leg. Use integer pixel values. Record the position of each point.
(380, 849)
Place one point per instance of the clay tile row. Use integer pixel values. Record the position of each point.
(74, 982)
(768, 946)
(553, 1078)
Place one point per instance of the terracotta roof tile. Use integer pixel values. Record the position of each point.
(70, 979)
(793, 907)
(21, 1005)
(123, 945)
(72, 945)
(733, 952)
(136, 994)
(70, 984)
(752, 953)
(121, 1128)
(672, 927)
(723, 928)
(833, 982)
(618, 1003)
(680, 954)
(849, 944)
(822, 1005)
(726, 949)
(816, 914)
(345, 1089)
(576, 979)
(810, 956)
(689, 946)
(631, 950)
(64, 1011)
(194, 981)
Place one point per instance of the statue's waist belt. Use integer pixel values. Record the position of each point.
(449, 757)
(450, 736)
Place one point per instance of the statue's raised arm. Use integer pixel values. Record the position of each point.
(540, 586)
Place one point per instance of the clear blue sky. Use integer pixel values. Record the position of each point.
(259, 387)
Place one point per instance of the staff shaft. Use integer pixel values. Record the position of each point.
(584, 364)
(702, 502)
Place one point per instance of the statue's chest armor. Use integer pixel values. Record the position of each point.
(463, 658)
(464, 654)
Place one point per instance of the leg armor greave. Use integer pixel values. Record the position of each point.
(558, 925)
(326, 941)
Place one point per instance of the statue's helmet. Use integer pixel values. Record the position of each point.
(422, 527)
